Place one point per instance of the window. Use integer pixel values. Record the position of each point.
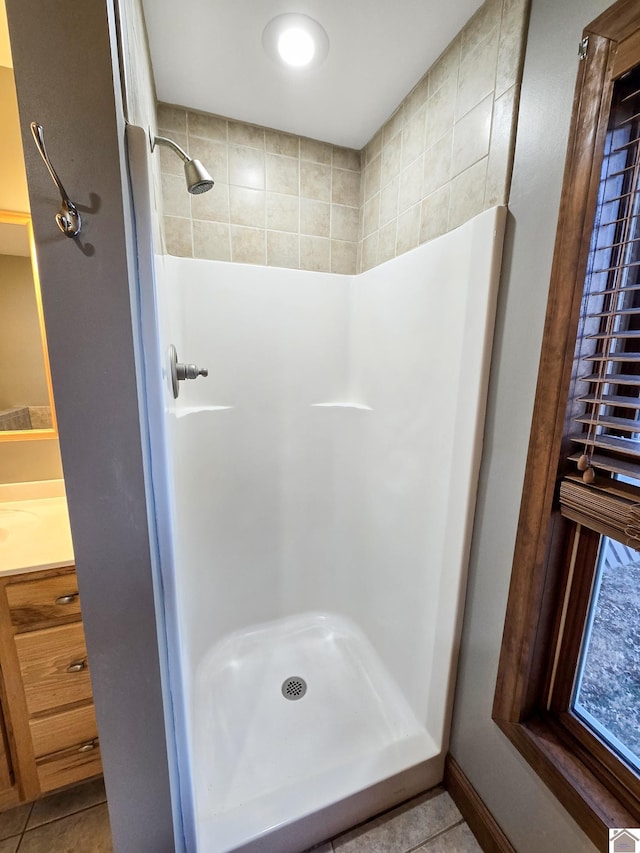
(568, 690)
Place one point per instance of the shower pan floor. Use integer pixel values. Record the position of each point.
(266, 758)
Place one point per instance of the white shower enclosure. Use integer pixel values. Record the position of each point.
(321, 485)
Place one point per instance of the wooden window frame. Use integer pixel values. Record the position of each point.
(522, 707)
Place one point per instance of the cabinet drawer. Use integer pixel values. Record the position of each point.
(47, 659)
(68, 766)
(63, 730)
(46, 601)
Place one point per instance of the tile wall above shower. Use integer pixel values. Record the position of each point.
(279, 200)
(444, 156)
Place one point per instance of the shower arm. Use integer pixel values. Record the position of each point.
(162, 140)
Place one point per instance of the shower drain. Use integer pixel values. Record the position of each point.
(294, 687)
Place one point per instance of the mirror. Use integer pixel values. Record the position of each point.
(26, 398)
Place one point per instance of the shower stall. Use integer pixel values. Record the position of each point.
(315, 498)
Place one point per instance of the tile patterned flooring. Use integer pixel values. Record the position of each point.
(431, 823)
(72, 821)
(77, 821)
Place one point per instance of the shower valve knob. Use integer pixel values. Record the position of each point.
(190, 371)
(181, 371)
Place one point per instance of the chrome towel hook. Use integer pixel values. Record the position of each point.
(68, 217)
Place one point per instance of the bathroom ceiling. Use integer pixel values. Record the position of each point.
(208, 55)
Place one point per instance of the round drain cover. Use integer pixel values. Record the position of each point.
(294, 687)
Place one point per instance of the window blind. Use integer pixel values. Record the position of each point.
(605, 405)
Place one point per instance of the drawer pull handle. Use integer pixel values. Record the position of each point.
(77, 666)
(88, 746)
(67, 599)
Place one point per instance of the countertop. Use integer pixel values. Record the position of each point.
(34, 527)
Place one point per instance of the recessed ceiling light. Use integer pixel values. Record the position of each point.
(296, 40)
(296, 47)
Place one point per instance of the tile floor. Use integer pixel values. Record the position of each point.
(72, 821)
(430, 823)
(76, 821)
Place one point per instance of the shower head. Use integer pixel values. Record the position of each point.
(197, 178)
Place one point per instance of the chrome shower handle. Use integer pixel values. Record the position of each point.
(68, 217)
(180, 371)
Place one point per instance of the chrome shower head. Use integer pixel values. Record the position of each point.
(197, 178)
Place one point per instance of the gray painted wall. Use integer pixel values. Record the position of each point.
(92, 333)
(529, 814)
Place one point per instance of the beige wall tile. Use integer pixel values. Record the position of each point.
(373, 147)
(345, 222)
(283, 174)
(346, 158)
(413, 136)
(344, 257)
(283, 212)
(283, 250)
(434, 218)
(212, 155)
(389, 201)
(281, 143)
(394, 125)
(371, 215)
(312, 149)
(315, 181)
(171, 118)
(203, 124)
(417, 97)
(369, 252)
(467, 194)
(471, 137)
(248, 245)
(246, 167)
(444, 72)
(437, 164)
(387, 242)
(411, 180)
(511, 49)
(211, 240)
(500, 149)
(408, 230)
(315, 254)
(247, 207)
(175, 196)
(213, 205)
(170, 163)
(315, 217)
(481, 24)
(477, 73)
(345, 187)
(372, 178)
(246, 134)
(178, 237)
(391, 160)
(439, 116)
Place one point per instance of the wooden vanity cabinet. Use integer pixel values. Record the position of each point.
(51, 730)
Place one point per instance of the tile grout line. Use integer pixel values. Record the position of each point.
(24, 828)
(27, 828)
(436, 835)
